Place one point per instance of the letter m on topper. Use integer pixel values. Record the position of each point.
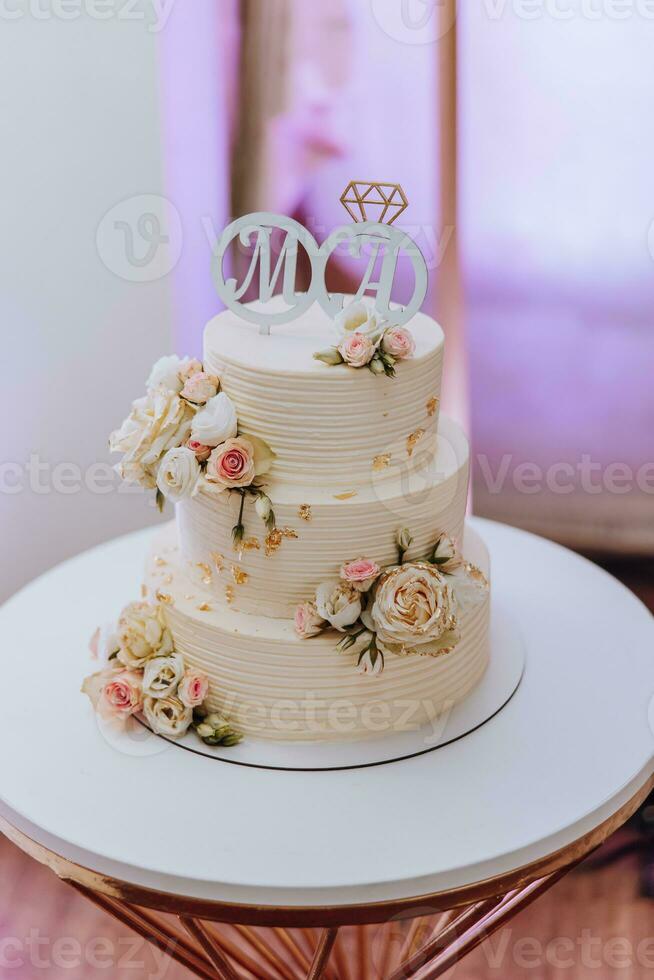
(266, 271)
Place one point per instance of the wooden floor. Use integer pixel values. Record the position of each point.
(591, 926)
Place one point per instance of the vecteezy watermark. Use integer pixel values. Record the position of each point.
(140, 239)
(153, 13)
(415, 21)
(36, 951)
(568, 10)
(585, 476)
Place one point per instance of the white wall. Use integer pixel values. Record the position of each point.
(80, 111)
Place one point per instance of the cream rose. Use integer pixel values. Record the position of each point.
(358, 317)
(357, 350)
(414, 611)
(200, 387)
(115, 692)
(178, 474)
(339, 603)
(168, 716)
(193, 689)
(445, 555)
(398, 342)
(216, 422)
(308, 622)
(162, 675)
(170, 371)
(142, 634)
(232, 464)
(360, 572)
(158, 422)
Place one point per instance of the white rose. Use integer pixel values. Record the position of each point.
(216, 422)
(339, 603)
(158, 422)
(142, 634)
(170, 372)
(162, 675)
(178, 474)
(358, 317)
(414, 611)
(167, 716)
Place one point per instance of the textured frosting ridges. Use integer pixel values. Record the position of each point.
(277, 686)
(326, 424)
(429, 501)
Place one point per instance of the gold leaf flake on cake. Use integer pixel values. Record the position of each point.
(275, 537)
(345, 496)
(240, 577)
(229, 594)
(164, 597)
(476, 574)
(159, 561)
(304, 512)
(167, 579)
(413, 440)
(251, 544)
(218, 560)
(381, 462)
(204, 607)
(431, 406)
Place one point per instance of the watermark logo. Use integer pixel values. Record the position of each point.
(140, 238)
(153, 13)
(415, 21)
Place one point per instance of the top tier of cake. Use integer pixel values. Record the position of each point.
(326, 424)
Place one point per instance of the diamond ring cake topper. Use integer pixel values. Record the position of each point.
(278, 299)
(361, 199)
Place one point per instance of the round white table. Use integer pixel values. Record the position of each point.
(482, 824)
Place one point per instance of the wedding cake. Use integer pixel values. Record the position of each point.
(318, 581)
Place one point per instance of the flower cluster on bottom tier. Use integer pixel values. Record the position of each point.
(271, 684)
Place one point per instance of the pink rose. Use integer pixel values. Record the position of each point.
(193, 689)
(232, 463)
(115, 692)
(202, 452)
(398, 342)
(307, 621)
(361, 573)
(357, 350)
(200, 387)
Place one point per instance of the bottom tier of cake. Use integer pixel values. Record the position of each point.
(274, 685)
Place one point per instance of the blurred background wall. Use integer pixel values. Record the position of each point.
(132, 133)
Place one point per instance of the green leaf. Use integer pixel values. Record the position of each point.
(160, 501)
(264, 457)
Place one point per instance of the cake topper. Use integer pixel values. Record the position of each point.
(360, 196)
(379, 243)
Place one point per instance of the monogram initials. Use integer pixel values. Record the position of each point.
(253, 231)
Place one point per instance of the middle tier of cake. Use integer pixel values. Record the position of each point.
(317, 530)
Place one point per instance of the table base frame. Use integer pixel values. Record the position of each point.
(423, 946)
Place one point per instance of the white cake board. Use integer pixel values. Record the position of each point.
(572, 746)
(494, 691)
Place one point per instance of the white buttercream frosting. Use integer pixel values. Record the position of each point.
(326, 424)
(274, 685)
(430, 501)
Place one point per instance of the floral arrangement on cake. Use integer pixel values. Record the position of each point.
(365, 339)
(143, 675)
(183, 436)
(411, 607)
